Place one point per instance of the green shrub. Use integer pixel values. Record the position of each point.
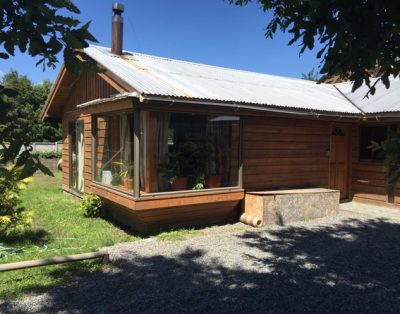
(92, 205)
(47, 154)
(13, 216)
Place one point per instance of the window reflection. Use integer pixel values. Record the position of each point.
(114, 150)
(188, 151)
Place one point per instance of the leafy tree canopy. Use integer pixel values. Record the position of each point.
(22, 117)
(355, 35)
(36, 27)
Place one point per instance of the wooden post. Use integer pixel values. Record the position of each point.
(136, 153)
(54, 260)
(240, 175)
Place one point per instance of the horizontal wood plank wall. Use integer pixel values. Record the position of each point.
(285, 153)
(368, 179)
(88, 87)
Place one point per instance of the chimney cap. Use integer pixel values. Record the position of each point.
(118, 8)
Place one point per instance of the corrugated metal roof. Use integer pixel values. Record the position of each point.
(384, 100)
(152, 75)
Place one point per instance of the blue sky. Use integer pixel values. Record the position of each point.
(206, 31)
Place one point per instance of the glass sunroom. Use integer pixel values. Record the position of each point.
(146, 153)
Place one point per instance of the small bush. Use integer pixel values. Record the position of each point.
(92, 206)
(47, 154)
(13, 216)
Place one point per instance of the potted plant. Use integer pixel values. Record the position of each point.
(125, 174)
(199, 183)
(213, 181)
(171, 171)
(203, 151)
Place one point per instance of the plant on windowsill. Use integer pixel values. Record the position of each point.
(125, 174)
(171, 171)
(200, 183)
(205, 154)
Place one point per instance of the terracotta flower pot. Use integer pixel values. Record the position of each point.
(128, 184)
(213, 182)
(179, 184)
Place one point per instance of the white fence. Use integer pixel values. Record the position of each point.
(46, 146)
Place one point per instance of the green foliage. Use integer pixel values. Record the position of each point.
(391, 149)
(16, 165)
(310, 76)
(44, 29)
(123, 170)
(177, 235)
(172, 169)
(21, 120)
(354, 36)
(38, 29)
(6, 251)
(47, 154)
(58, 228)
(13, 216)
(200, 183)
(92, 206)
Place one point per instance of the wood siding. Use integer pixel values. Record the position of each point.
(368, 179)
(172, 211)
(88, 87)
(285, 153)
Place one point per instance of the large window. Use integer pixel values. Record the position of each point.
(114, 150)
(367, 135)
(182, 151)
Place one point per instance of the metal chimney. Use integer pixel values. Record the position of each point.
(117, 28)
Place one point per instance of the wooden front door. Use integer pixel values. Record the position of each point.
(339, 160)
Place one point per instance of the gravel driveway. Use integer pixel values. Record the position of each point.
(345, 263)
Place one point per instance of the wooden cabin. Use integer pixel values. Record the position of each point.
(168, 143)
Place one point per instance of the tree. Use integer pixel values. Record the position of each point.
(310, 76)
(22, 118)
(355, 36)
(35, 27)
(391, 149)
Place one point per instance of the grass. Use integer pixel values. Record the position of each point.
(177, 235)
(59, 228)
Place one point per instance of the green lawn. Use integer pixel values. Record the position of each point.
(59, 228)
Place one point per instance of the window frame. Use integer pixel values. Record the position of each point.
(94, 149)
(237, 187)
(371, 160)
(137, 142)
(71, 133)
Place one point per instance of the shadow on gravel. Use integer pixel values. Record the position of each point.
(351, 267)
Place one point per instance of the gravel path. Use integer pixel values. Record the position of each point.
(343, 263)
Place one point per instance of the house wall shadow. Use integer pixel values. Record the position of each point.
(349, 267)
